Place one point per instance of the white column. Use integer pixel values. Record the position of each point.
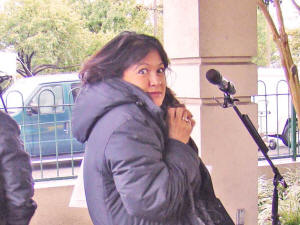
(204, 34)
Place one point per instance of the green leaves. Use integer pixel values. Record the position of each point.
(62, 33)
(114, 16)
(50, 29)
(266, 48)
(294, 41)
(289, 199)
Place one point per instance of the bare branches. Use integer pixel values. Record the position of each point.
(22, 73)
(296, 5)
(269, 19)
(26, 71)
(43, 67)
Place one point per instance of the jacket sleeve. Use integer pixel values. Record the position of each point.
(152, 180)
(16, 176)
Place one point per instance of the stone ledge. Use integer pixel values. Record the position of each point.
(283, 165)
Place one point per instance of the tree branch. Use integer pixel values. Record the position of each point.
(288, 65)
(43, 67)
(269, 19)
(28, 59)
(296, 5)
(21, 72)
(21, 55)
(20, 58)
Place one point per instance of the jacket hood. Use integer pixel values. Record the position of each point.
(97, 99)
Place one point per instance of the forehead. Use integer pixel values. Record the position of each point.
(152, 58)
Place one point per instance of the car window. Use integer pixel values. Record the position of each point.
(48, 100)
(14, 101)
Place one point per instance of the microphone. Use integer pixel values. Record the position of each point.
(4, 78)
(214, 77)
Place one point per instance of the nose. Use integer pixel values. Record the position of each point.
(155, 79)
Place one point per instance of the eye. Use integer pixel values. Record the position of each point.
(161, 70)
(142, 71)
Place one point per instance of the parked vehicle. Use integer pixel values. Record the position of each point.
(42, 106)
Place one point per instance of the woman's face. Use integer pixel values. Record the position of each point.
(149, 75)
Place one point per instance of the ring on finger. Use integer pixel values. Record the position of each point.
(189, 122)
(185, 119)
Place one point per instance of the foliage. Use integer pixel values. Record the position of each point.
(42, 32)
(107, 18)
(159, 19)
(267, 53)
(281, 40)
(294, 40)
(114, 16)
(59, 34)
(266, 49)
(289, 199)
(263, 43)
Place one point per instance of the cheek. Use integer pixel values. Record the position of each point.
(136, 80)
(164, 85)
(143, 84)
(160, 101)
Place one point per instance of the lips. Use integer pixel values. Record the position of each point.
(155, 94)
(157, 97)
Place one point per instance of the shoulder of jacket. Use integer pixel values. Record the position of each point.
(129, 111)
(7, 124)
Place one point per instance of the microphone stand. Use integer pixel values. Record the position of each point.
(229, 102)
(2, 101)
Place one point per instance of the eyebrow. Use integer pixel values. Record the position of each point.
(140, 64)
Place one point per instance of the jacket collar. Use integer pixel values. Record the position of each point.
(97, 99)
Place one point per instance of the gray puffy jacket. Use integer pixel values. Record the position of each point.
(16, 184)
(133, 173)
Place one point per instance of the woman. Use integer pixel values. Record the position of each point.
(141, 167)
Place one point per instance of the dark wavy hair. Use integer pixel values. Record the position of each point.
(117, 55)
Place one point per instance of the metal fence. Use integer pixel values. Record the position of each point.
(277, 123)
(45, 125)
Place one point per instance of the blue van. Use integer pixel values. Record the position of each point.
(42, 106)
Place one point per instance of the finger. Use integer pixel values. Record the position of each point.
(193, 122)
(189, 114)
(185, 116)
(190, 122)
(171, 113)
(179, 113)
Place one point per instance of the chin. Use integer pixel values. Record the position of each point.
(158, 103)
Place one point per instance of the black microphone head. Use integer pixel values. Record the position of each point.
(213, 76)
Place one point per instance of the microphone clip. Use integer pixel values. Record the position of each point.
(228, 101)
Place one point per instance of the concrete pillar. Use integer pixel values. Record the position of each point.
(204, 34)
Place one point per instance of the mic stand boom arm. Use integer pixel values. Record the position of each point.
(228, 101)
(1, 98)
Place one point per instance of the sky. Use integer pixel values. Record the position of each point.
(291, 16)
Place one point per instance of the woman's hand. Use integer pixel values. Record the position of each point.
(180, 124)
